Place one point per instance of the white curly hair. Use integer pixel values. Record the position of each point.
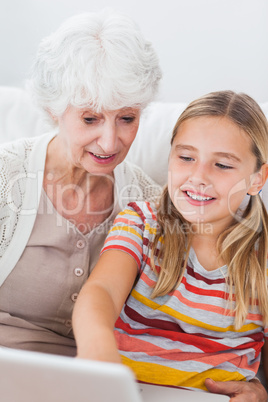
(98, 60)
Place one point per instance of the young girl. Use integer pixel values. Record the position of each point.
(190, 273)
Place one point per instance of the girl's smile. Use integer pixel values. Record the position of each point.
(197, 199)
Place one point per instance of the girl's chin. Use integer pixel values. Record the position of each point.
(194, 218)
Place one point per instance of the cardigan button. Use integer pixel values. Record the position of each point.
(80, 244)
(78, 271)
(74, 297)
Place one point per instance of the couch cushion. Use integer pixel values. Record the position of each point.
(18, 116)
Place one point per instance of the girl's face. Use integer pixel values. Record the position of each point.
(211, 169)
(97, 142)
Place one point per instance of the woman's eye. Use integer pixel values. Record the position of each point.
(223, 167)
(89, 120)
(128, 119)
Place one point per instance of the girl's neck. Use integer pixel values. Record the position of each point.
(206, 250)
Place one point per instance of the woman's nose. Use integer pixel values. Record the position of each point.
(108, 138)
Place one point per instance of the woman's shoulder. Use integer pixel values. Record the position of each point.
(17, 157)
(14, 158)
(19, 151)
(138, 183)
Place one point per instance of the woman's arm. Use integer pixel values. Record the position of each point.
(240, 391)
(99, 304)
(265, 360)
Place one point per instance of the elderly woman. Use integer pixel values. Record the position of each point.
(59, 193)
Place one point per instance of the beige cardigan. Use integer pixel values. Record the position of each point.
(21, 180)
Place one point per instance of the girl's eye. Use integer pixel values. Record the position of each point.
(223, 167)
(186, 158)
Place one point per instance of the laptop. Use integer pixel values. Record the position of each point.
(38, 377)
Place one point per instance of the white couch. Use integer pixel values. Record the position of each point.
(20, 118)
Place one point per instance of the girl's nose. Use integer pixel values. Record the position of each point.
(199, 175)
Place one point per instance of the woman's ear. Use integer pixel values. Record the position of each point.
(259, 180)
(53, 117)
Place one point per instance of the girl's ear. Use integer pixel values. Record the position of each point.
(259, 180)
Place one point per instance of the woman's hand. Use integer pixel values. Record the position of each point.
(239, 391)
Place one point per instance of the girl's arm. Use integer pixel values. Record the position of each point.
(99, 304)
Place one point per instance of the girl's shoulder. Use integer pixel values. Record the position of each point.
(145, 210)
(138, 215)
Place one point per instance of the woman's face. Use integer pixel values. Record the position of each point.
(97, 142)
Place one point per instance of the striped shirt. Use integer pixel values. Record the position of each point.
(188, 335)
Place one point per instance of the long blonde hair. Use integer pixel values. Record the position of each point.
(243, 246)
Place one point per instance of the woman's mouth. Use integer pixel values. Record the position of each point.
(102, 158)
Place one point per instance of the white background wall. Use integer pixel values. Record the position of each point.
(203, 45)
